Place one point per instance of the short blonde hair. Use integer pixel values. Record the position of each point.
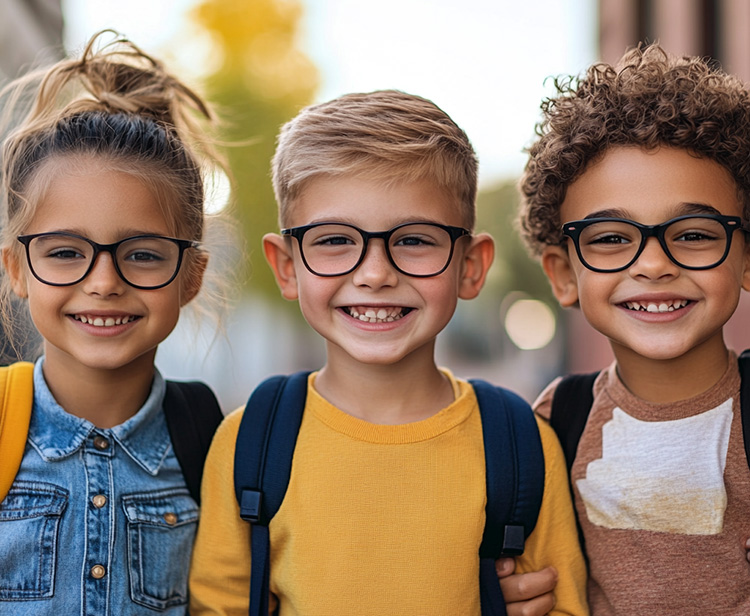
(386, 135)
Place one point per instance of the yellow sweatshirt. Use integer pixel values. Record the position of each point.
(377, 520)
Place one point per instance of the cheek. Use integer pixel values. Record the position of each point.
(440, 293)
(594, 288)
(44, 304)
(315, 294)
(725, 284)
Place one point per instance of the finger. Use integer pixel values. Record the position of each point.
(536, 607)
(504, 566)
(522, 587)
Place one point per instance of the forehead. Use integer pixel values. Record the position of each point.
(650, 186)
(95, 200)
(373, 205)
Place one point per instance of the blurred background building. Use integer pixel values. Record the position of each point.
(485, 62)
(31, 31)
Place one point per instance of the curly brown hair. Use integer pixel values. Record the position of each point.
(649, 99)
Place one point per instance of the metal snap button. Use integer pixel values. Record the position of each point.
(98, 572)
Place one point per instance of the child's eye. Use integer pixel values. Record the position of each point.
(414, 240)
(333, 240)
(609, 239)
(64, 254)
(695, 236)
(143, 256)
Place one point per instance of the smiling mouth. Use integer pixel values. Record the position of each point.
(663, 306)
(105, 321)
(377, 315)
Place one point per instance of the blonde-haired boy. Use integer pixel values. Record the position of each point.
(385, 508)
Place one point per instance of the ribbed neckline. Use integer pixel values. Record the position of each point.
(651, 411)
(444, 420)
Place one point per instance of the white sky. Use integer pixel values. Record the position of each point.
(483, 61)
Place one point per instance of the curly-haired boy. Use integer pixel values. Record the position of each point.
(636, 200)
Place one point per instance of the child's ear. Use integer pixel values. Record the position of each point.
(16, 272)
(278, 251)
(477, 260)
(556, 264)
(193, 278)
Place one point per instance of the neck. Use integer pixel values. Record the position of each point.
(106, 398)
(385, 394)
(672, 380)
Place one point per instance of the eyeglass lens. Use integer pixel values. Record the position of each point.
(142, 261)
(416, 249)
(691, 242)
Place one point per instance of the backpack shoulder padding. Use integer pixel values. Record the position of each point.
(265, 445)
(16, 400)
(571, 405)
(193, 414)
(744, 365)
(515, 471)
(514, 461)
(262, 465)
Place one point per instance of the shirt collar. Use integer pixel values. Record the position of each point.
(57, 434)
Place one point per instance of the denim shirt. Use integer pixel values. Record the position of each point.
(98, 521)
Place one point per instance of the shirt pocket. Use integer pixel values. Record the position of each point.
(161, 529)
(29, 523)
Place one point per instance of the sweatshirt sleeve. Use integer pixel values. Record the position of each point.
(554, 541)
(220, 567)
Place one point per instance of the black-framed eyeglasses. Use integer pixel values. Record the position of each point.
(694, 242)
(419, 249)
(143, 261)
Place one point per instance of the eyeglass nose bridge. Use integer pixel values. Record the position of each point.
(98, 250)
(378, 235)
(655, 231)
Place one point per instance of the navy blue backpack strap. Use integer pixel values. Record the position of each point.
(744, 362)
(571, 405)
(193, 414)
(262, 464)
(514, 461)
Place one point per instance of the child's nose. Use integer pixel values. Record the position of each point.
(103, 278)
(653, 262)
(376, 269)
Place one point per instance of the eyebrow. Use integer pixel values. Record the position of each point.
(681, 209)
(350, 222)
(121, 233)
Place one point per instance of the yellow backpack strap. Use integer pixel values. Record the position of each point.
(16, 396)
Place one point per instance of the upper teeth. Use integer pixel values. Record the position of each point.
(104, 321)
(657, 307)
(376, 315)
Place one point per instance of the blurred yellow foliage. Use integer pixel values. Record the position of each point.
(262, 79)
